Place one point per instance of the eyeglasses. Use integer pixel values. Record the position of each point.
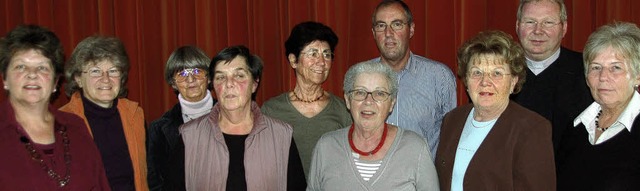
(197, 73)
(495, 75)
(377, 95)
(315, 54)
(97, 72)
(395, 25)
(543, 24)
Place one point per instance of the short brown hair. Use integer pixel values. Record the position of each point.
(493, 43)
(92, 50)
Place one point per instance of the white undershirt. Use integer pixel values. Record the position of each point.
(538, 66)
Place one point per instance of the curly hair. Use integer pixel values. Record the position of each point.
(493, 43)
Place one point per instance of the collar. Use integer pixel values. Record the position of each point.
(198, 107)
(538, 66)
(258, 123)
(8, 116)
(410, 67)
(626, 118)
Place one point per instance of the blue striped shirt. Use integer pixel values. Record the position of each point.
(426, 92)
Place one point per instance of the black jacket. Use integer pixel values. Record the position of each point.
(165, 151)
(559, 93)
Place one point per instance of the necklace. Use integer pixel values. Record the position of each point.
(35, 156)
(598, 124)
(375, 150)
(307, 101)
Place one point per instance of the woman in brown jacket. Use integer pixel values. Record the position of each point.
(493, 143)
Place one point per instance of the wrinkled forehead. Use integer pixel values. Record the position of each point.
(487, 59)
(237, 64)
(390, 13)
(102, 63)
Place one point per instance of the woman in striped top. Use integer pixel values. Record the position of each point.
(371, 154)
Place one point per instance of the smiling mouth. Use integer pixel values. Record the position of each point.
(367, 112)
(32, 87)
(486, 94)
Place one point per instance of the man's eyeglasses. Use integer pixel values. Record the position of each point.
(197, 73)
(543, 24)
(315, 54)
(97, 72)
(377, 95)
(395, 25)
(495, 75)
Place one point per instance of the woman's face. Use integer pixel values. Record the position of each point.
(233, 84)
(312, 66)
(489, 82)
(610, 80)
(30, 78)
(191, 83)
(369, 113)
(100, 82)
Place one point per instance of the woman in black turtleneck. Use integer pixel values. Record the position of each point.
(96, 74)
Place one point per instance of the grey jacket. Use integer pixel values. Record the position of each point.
(266, 153)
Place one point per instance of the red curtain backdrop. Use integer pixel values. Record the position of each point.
(152, 29)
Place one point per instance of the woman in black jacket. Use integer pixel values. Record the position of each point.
(186, 72)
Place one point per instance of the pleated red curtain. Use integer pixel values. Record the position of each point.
(152, 29)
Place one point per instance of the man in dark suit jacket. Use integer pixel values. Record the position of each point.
(555, 85)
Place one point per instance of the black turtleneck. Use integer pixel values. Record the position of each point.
(108, 134)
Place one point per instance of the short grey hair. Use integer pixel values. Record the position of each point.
(370, 67)
(563, 9)
(623, 37)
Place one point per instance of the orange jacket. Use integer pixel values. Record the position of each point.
(132, 117)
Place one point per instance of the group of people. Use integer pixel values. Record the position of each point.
(540, 117)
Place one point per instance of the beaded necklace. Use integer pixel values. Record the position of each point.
(307, 101)
(35, 156)
(375, 150)
(598, 124)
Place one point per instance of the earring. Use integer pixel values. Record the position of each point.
(55, 90)
(6, 87)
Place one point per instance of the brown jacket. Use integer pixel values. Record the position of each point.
(132, 117)
(517, 154)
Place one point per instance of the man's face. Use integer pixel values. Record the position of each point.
(540, 29)
(392, 44)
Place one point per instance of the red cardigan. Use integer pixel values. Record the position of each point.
(517, 154)
(20, 172)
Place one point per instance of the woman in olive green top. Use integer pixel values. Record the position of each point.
(311, 110)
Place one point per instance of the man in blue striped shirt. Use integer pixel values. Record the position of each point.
(426, 88)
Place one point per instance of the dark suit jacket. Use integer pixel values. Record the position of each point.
(559, 93)
(165, 150)
(517, 153)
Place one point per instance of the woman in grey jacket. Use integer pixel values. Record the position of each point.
(235, 147)
(371, 154)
